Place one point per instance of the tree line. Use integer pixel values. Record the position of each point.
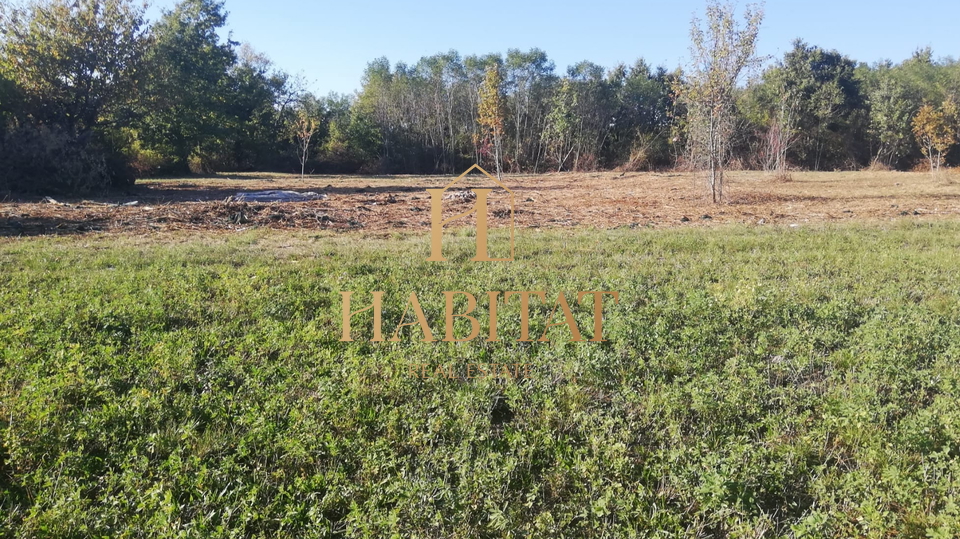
(92, 95)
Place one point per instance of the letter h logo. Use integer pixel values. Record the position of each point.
(480, 208)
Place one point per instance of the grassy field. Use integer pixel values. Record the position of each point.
(757, 382)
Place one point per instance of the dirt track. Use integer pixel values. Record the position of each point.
(602, 200)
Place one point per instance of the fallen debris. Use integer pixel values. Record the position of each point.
(460, 196)
(275, 195)
(562, 200)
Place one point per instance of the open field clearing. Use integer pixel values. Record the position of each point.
(757, 381)
(599, 200)
(634, 350)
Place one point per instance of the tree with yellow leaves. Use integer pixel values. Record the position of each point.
(935, 129)
(490, 113)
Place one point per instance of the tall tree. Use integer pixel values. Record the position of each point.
(260, 97)
(529, 80)
(890, 112)
(829, 99)
(440, 77)
(721, 51)
(778, 104)
(353, 138)
(594, 104)
(78, 63)
(375, 104)
(306, 122)
(490, 117)
(640, 119)
(927, 80)
(562, 124)
(189, 84)
(475, 75)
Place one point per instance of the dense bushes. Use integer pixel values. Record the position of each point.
(91, 94)
(49, 160)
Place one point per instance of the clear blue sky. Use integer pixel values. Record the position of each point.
(331, 42)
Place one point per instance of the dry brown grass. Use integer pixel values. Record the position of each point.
(602, 200)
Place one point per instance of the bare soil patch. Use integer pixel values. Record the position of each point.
(386, 203)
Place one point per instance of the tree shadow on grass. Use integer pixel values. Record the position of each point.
(48, 226)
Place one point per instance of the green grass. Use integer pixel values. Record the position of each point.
(757, 382)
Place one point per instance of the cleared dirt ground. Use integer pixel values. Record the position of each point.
(601, 200)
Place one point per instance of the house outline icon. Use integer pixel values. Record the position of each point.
(437, 221)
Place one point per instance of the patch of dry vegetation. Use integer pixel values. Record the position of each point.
(598, 200)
